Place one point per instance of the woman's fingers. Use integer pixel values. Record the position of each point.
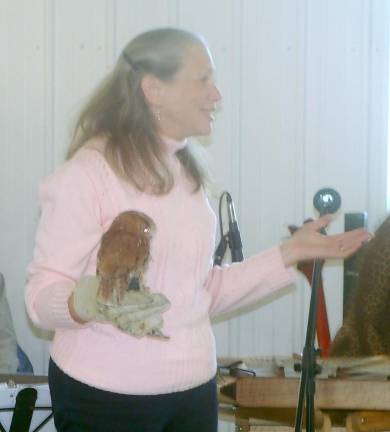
(307, 243)
(322, 222)
(349, 242)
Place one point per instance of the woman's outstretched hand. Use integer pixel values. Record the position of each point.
(308, 243)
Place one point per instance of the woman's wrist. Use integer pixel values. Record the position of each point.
(288, 253)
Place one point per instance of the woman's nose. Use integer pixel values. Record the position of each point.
(215, 94)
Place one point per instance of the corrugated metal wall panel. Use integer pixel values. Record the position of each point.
(81, 59)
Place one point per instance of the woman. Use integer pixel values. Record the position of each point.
(130, 153)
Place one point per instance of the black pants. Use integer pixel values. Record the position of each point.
(80, 408)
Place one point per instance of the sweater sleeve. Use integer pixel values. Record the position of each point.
(239, 284)
(68, 231)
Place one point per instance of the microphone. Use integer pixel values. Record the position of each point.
(327, 201)
(234, 233)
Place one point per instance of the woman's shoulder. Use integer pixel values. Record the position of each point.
(84, 180)
(87, 166)
(88, 159)
(90, 153)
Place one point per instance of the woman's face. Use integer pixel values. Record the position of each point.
(189, 100)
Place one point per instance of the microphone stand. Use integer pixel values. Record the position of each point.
(326, 201)
(309, 367)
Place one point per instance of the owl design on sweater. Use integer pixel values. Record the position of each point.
(122, 261)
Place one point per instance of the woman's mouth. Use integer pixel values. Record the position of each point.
(210, 113)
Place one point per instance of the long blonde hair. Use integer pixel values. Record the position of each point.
(119, 112)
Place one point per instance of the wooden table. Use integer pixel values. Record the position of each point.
(358, 401)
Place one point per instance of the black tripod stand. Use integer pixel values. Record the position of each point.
(325, 201)
(309, 367)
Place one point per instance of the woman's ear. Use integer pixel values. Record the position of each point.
(152, 88)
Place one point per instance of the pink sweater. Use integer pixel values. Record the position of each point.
(78, 203)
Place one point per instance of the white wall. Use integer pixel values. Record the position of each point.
(305, 85)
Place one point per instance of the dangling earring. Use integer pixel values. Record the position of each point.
(156, 113)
